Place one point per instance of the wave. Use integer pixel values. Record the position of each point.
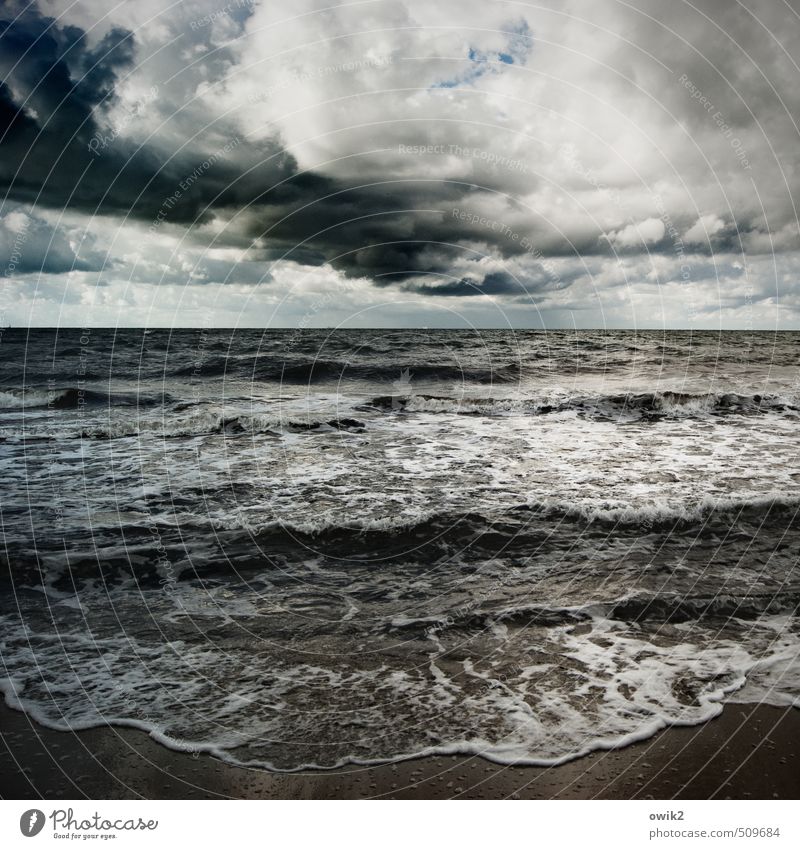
(72, 398)
(529, 521)
(518, 532)
(658, 608)
(333, 371)
(550, 702)
(650, 406)
(677, 609)
(421, 537)
(641, 406)
(208, 424)
(667, 515)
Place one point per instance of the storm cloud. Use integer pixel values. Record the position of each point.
(445, 152)
(61, 150)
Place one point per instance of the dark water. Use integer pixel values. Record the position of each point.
(305, 548)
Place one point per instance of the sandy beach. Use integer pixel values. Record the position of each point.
(749, 751)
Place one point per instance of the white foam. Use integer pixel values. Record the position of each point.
(18, 399)
(602, 688)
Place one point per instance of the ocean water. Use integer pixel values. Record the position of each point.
(301, 549)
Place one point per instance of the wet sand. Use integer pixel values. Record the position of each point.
(748, 752)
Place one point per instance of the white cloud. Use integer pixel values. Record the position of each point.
(703, 229)
(646, 232)
(28, 243)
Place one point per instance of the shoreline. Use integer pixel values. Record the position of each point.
(747, 752)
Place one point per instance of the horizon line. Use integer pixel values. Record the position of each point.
(403, 327)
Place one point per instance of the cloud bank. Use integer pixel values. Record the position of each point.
(549, 164)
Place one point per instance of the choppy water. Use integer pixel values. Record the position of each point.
(307, 548)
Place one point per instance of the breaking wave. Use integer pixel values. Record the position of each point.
(649, 405)
(72, 398)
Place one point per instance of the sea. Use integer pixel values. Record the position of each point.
(299, 549)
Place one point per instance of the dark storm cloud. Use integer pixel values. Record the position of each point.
(61, 78)
(58, 89)
(387, 233)
(52, 106)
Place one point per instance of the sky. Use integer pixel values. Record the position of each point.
(400, 163)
